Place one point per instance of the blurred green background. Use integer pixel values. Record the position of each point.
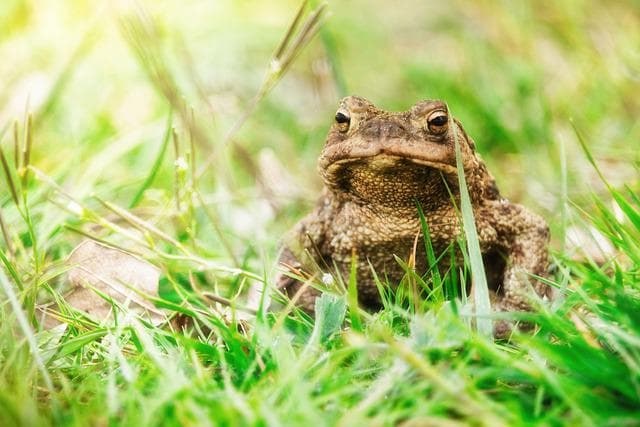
(518, 75)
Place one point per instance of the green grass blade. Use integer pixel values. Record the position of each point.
(352, 297)
(156, 164)
(11, 269)
(74, 344)
(480, 287)
(428, 246)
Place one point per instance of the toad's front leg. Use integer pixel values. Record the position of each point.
(304, 255)
(524, 238)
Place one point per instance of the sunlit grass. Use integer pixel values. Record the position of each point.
(154, 129)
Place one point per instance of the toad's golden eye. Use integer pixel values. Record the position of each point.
(343, 119)
(438, 121)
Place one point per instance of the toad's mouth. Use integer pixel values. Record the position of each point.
(381, 163)
(385, 161)
(385, 153)
(389, 179)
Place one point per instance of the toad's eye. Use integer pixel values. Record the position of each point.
(343, 119)
(437, 121)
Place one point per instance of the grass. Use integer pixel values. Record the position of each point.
(167, 131)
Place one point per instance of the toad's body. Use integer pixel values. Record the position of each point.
(377, 166)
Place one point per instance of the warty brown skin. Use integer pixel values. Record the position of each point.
(376, 165)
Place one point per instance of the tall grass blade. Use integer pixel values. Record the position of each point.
(279, 52)
(142, 33)
(479, 278)
(156, 164)
(288, 49)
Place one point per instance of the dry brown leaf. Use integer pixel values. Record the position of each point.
(97, 268)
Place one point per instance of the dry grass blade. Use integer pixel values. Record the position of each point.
(292, 44)
(76, 207)
(26, 151)
(292, 27)
(143, 36)
(204, 264)
(141, 224)
(90, 215)
(16, 146)
(308, 31)
(227, 302)
(289, 48)
(3, 225)
(7, 174)
(5, 234)
(4, 131)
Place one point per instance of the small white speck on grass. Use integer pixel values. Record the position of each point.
(275, 66)
(181, 164)
(327, 279)
(75, 208)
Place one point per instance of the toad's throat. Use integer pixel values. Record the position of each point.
(389, 180)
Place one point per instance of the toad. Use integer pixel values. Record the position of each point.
(377, 167)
